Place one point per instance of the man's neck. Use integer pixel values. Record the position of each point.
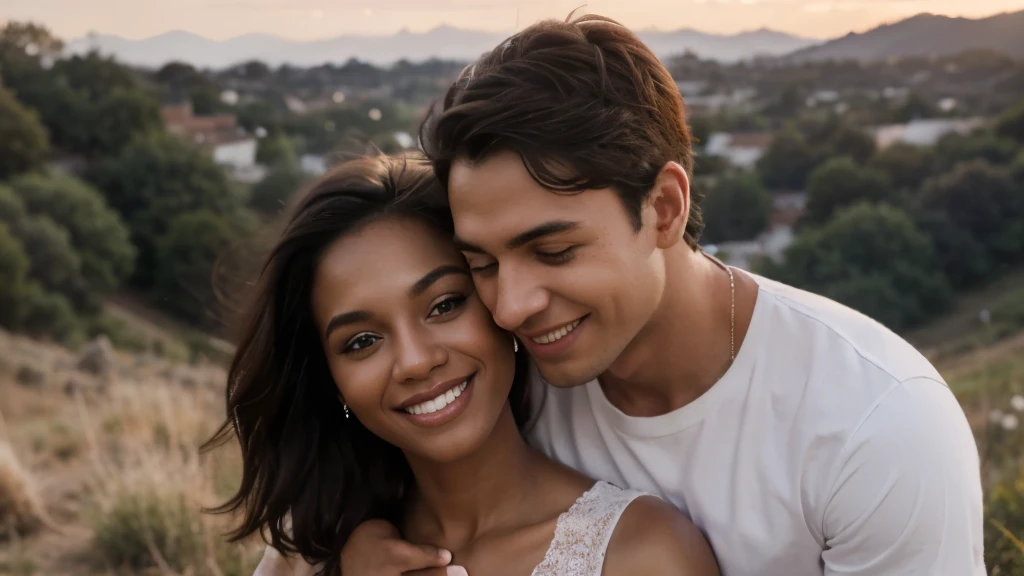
(456, 502)
(685, 348)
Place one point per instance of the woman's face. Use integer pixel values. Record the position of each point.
(413, 351)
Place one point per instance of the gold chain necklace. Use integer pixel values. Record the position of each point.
(732, 304)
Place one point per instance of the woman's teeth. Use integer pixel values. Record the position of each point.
(431, 406)
(556, 335)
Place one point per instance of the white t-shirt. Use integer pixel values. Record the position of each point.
(831, 446)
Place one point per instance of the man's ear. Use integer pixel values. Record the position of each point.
(670, 199)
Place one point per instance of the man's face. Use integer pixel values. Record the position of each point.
(567, 273)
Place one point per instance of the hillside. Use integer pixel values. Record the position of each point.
(923, 35)
(92, 461)
(445, 42)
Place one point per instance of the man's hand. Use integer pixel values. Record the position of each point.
(376, 549)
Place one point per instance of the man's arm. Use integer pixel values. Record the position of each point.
(907, 495)
(375, 548)
(655, 539)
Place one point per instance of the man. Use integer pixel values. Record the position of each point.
(802, 437)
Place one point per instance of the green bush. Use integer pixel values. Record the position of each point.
(737, 208)
(50, 315)
(872, 258)
(13, 278)
(1005, 510)
(137, 518)
(839, 183)
(23, 141)
(121, 335)
(982, 200)
(95, 230)
(187, 254)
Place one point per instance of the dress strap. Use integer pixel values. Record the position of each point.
(582, 533)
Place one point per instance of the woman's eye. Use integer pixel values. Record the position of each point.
(361, 342)
(447, 306)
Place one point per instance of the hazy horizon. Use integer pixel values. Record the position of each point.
(317, 19)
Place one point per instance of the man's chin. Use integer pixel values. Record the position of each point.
(562, 376)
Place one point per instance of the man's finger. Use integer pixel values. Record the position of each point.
(446, 571)
(417, 556)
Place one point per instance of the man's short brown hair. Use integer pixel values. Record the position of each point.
(584, 102)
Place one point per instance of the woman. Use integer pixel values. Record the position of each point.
(370, 382)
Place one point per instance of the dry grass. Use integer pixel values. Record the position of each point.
(115, 462)
(21, 509)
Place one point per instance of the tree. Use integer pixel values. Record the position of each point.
(187, 254)
(22, 35)
(272, 193)
(872, 258)
(13, 278)
(53, 262)
(914, 108)
(849, 141)
(97, 233)
(962, 258)
(257, 114)
(837, 137)
(839, 183)
(12, 209)
(1017, 170)
(154, 180)
(23, 143)
(953, 149)
(122, 115)
(1011, 124)
(49, 315)
(737, 208)
(906, 166)
(786, 162)
(981, 200)
(90, 105)
(276, 149)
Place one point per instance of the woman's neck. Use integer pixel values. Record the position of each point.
(458, 501)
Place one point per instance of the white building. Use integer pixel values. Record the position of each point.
(739, 150)
(926, 132)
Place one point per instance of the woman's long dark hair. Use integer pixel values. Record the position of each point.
(301, 456)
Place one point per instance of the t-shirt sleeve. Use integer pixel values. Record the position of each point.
(907, 497)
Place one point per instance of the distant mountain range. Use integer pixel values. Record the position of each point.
(443, 42)
(923, 35)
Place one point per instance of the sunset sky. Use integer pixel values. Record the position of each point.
(310, 19)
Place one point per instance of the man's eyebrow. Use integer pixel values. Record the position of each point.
(540, 231)
(524, 238)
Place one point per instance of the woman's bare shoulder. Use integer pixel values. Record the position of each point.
(653, 538)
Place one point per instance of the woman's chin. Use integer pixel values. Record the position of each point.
(453, 445)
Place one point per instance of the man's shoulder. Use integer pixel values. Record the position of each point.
(801, 323)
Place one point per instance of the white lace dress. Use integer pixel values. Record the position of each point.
(581, 538)
(582, 532)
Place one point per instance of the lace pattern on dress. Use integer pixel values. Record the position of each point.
(582, 532)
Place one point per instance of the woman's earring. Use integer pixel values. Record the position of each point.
(345, 408)
(515, 344)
